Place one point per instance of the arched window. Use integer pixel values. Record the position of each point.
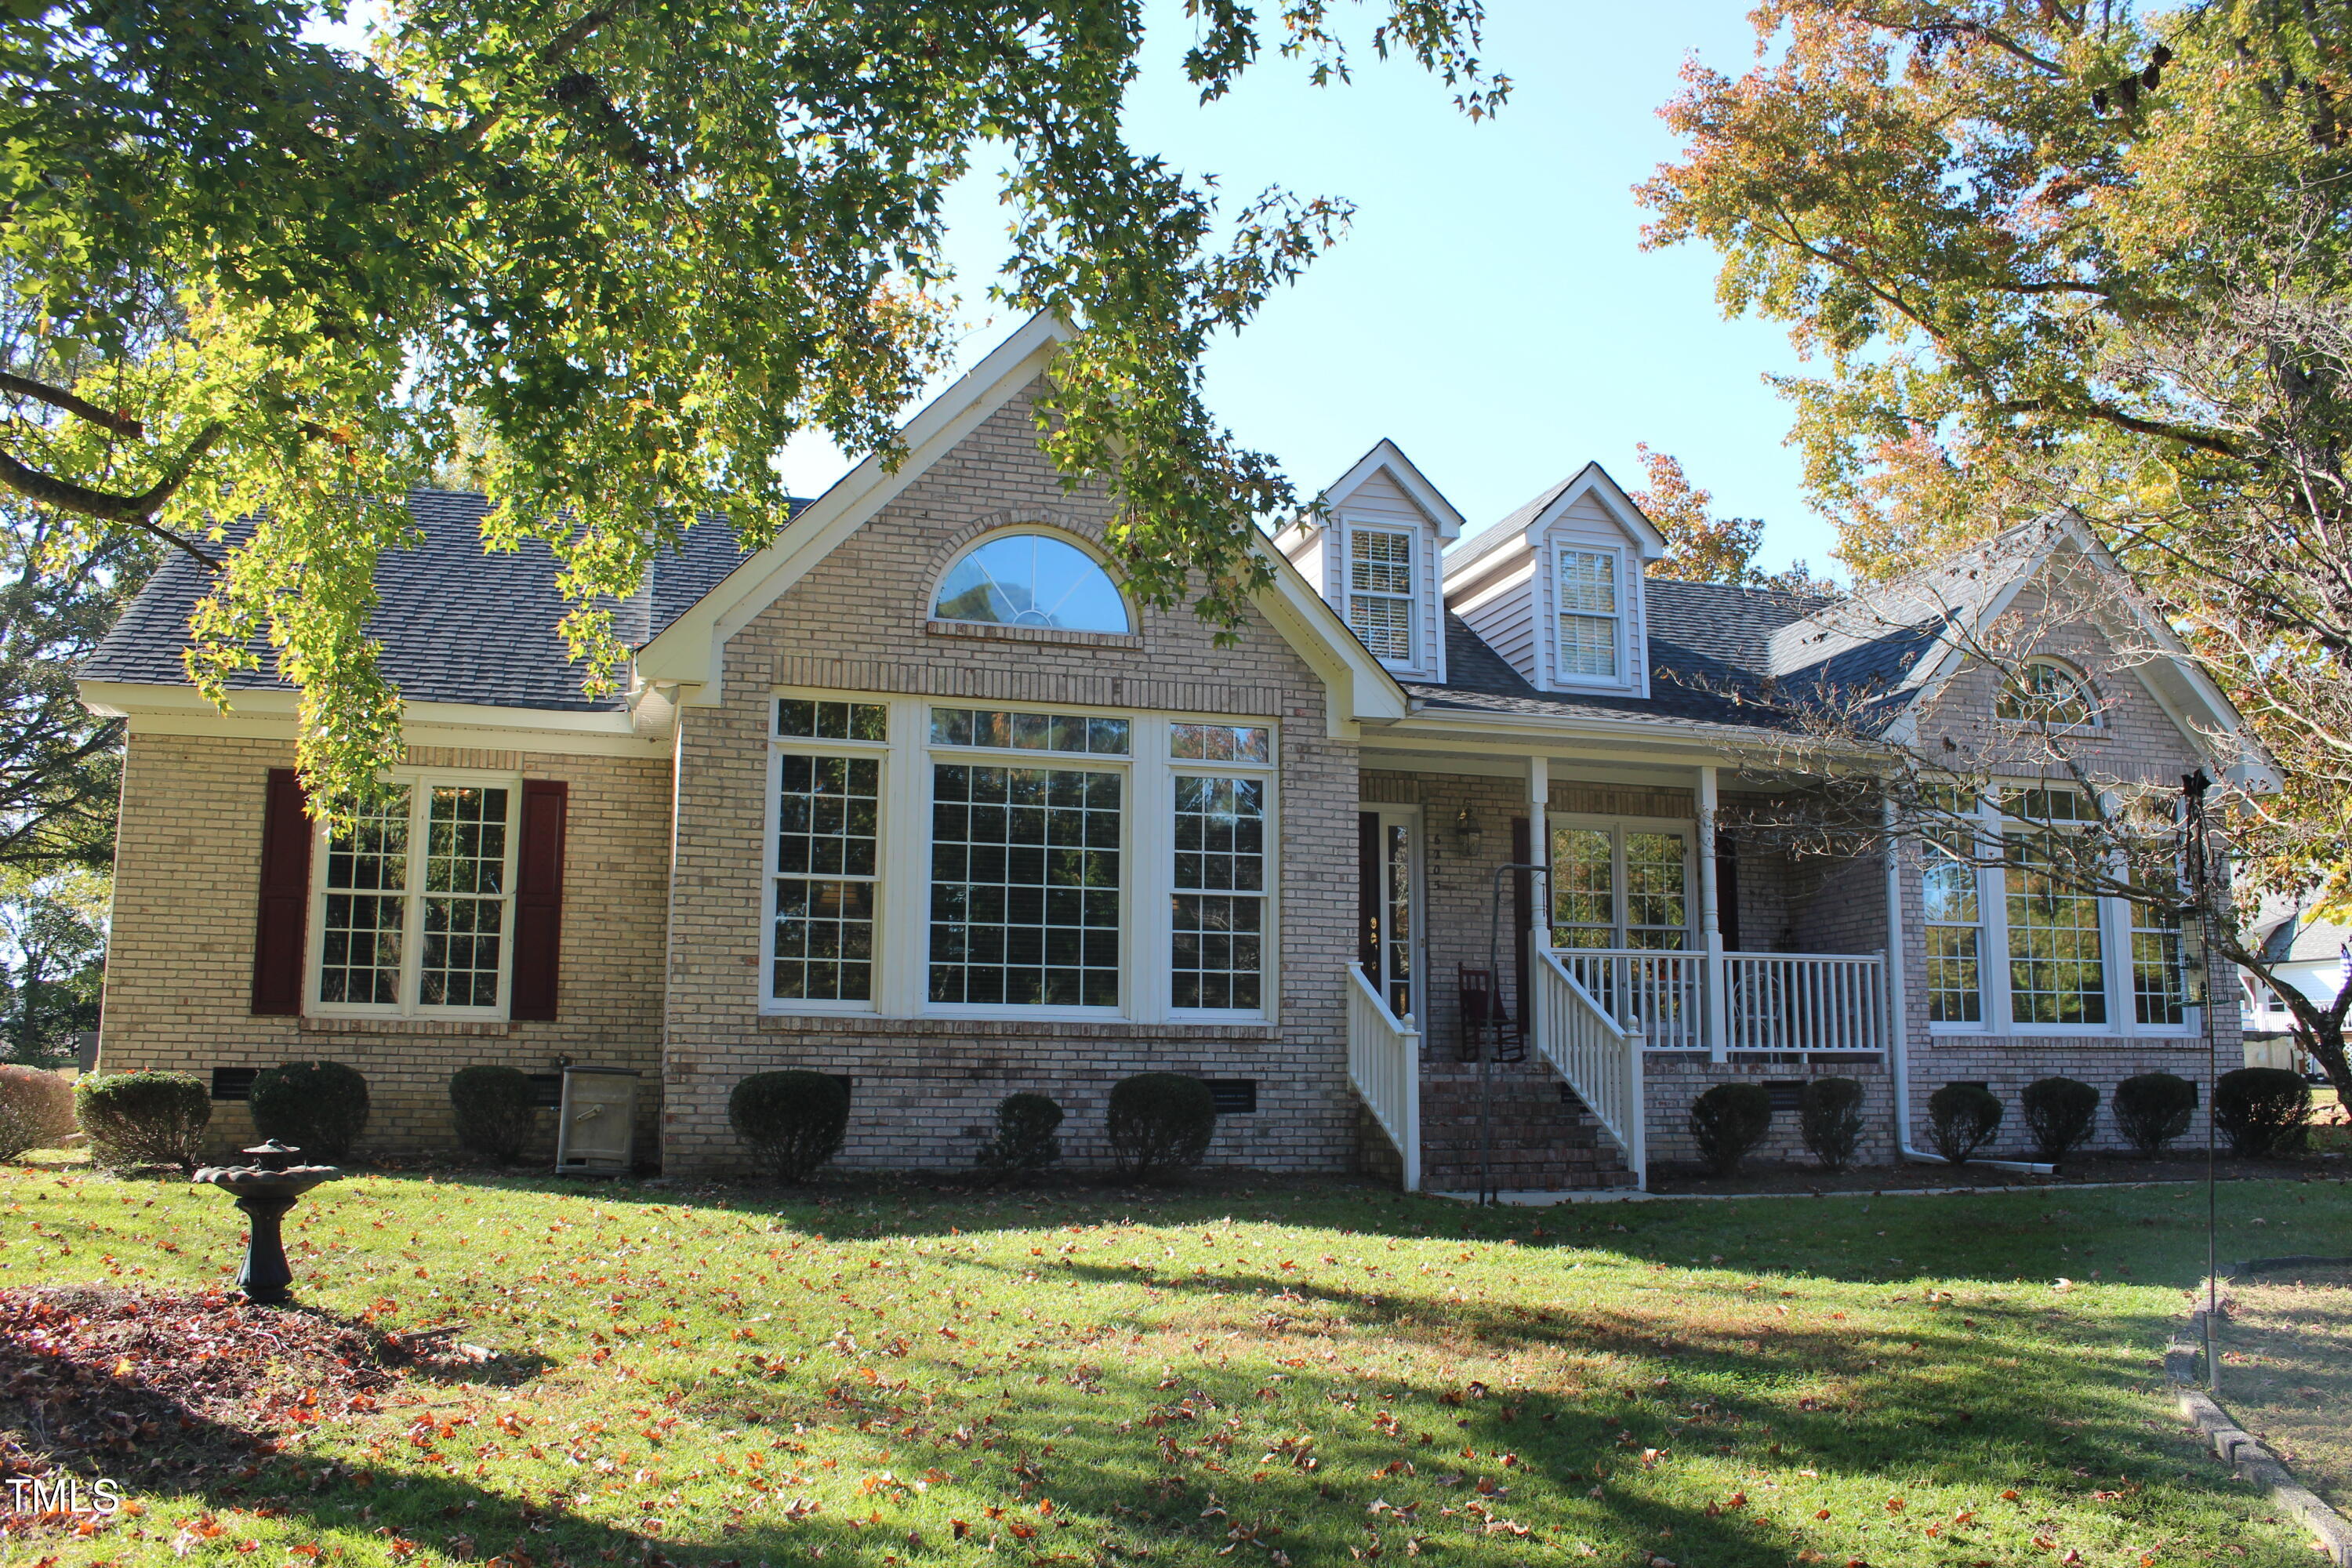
(2045, 691)
(1031, 580)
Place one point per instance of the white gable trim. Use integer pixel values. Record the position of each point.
(1387, 457)
(690, 653)
(1593, 480)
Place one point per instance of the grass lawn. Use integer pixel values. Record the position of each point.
(2287, 1373)
(1294, 1374)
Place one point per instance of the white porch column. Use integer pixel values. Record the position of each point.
(1710, 923)
(1539, 852)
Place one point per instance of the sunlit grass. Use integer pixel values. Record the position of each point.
(1310, 1374)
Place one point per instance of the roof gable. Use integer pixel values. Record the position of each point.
(1388, 458)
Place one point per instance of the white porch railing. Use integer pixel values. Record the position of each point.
(1385, 1065)
(1655, 994)
(1779, 1002)
(1601, 1060)
(1805, 1002)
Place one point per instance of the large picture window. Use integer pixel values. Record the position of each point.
(1024, 886)
(415, 900)
(1031, 580)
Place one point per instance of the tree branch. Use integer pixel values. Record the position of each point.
(135, 511)
(59, 397)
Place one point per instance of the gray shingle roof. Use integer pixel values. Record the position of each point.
(457, 625)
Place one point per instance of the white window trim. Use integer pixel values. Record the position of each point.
(780, 746)
(1993, 960)
(421, 783)
(901, 986)
(1617, 828)
(1562, 677)
(1416, 634)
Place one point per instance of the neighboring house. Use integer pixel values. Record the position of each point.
(2311, 955)
(916, 795)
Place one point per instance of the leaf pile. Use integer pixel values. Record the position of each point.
(121, 1382)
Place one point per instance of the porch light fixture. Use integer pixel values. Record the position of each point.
(1467, 835)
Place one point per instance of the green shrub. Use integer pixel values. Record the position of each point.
(1160, 1122)
(2154, 1108)
(2059, 1113)
(2261, 1110)
(1024, 1140)
(318, 1108)
(493, 1110)
(135, 1119)
(35, 1109)
(1962, 1119)
(1829, 1119)
(1729, 1120)
(795, 1120)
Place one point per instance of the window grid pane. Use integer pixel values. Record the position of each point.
(2056, 966)
(1070, 732)
(1216, 957)
(359, 942)
(1583, 888)
(2159, 984)
(1588, 645)
(1955, 976)
(465, 905)
(1380, 562)
(806, 717)
(828, 837)
(1656, 908)
(1221, 742)
(1031, 580)
(1024, 886)
(1385, 625)
(1587, 582)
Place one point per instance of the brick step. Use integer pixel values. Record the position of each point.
(1541, 1142)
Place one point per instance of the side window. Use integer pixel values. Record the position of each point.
(1590, 617)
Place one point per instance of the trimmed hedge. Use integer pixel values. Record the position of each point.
(1727, 1121)
(2060, 1113)
(137, 1119)
(2261, 1110)
(493, 1110)
(1829, 1119)
(2154, 1108)
(1025, 1141)
(35, 1109)
(793, 1119)
(1962, 1119)
(1161, 1123)
(318, 1108)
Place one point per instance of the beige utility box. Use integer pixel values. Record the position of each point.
(598, 1126)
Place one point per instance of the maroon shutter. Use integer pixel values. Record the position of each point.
(1523, 915)
(285, 904)
(539, 901)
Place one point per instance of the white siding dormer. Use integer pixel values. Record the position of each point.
(1557, 588)
(1376, 551)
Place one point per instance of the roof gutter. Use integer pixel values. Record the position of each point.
(1898, 1057)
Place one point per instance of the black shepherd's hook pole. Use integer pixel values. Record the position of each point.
(1487, 1191)
(2198, 854)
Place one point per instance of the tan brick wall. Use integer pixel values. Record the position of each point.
(180, 964)
(858, 621)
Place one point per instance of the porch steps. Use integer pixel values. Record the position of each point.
(1542, 1143)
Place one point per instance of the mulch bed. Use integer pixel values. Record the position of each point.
(1761, 1176)
(181, 1388)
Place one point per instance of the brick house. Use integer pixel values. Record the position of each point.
(917, 795)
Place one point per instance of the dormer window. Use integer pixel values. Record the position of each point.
(1381, 607)
(1031, 580)
(2048, 693)
(1590, 617)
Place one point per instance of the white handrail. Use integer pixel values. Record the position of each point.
(1385, 1065)
(1805, 1002)
(1600, 1057)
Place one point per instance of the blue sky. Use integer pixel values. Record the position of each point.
(1492, 310)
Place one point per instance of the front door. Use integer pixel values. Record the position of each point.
(1388, 853)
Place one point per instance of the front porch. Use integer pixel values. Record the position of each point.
(1595, 969)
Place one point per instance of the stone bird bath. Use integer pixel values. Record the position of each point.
(265, 1188)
